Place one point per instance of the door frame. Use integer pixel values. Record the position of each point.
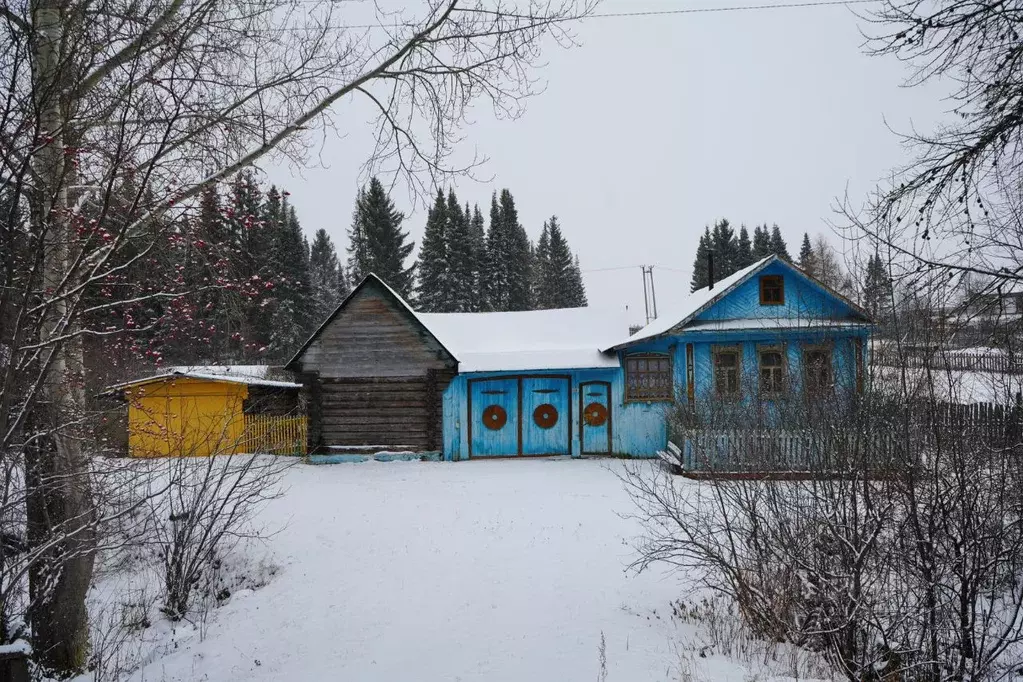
(610, 417)
(518, 387)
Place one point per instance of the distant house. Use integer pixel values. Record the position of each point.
(569, 382)
(211, 410)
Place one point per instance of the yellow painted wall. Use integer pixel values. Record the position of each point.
(185, 417)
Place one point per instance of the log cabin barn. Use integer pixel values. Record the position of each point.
(380, 376)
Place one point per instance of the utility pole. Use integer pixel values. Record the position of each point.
(649, 294)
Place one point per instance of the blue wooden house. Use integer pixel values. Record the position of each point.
(380, 376)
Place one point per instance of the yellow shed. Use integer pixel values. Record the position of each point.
(197, 412)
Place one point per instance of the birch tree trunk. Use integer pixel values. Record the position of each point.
(60, 510)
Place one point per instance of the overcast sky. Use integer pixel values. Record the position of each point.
(657, 126)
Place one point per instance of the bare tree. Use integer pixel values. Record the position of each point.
(956, 206)
(883, 528)
(110, 99)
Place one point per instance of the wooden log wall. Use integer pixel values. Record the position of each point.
(376, 378)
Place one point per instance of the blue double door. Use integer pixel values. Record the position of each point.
(520, 415)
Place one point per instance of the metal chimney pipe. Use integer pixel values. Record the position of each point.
(710, 268)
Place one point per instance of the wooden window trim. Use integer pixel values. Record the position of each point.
(714, 352)
(629, 398)
(769, 280)
(781, 350)
(829, 349)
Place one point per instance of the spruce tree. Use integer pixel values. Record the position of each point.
(479, 301)
(460, 256)
(518, 254)
(806, 257)
(251, 268)
(744, 256)
(509, 280)
(761, 243)
(328, 284)
(701, 272)
(778, 245)
(209, 265)
(292, 312)
(877, 289)
(497, 270)
(726, 250)
(576, 289)
(377, 243)
(543, 288)
(433, 293)
(559, 266)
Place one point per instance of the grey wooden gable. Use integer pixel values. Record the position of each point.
(372, 333)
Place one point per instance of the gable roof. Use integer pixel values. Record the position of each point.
(702, 299)
(567, 338)
(403, 306)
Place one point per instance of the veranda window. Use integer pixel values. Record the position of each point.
(648, 378)
(817, 374)
(772, 371)
(726, 372)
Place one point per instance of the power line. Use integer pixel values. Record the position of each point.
(616, 15)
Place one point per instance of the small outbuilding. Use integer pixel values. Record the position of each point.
(211, 410)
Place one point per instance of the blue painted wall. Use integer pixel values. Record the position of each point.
(804, 300)
(639, 429)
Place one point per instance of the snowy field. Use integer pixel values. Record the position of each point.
(482, 570)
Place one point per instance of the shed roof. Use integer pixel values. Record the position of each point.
(252, 375)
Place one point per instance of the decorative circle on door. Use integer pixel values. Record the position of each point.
(494, 417)
(545, 416)
(595, 414)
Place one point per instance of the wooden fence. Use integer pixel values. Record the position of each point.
(951, 360)
(741, 452)
(276, 435)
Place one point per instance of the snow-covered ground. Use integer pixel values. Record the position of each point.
(481, 570)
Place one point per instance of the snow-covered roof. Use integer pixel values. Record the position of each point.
(687, 307)
(770, 323)
(252, 375)
(567, 338)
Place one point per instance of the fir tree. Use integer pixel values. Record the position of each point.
(292, 314)
(576, 289)
(478, 239)
(251, 267)
(377, 243)
(701, 272)
(328, 284)
(509, 281)
(778, 245)
(560, 264)
(744, 256)
(877, 289)
(806, 256)
(519, 256)
(497, 277)
(543, 277)
(433, 295)
(761, 243)
(726, 249)
(460, 255)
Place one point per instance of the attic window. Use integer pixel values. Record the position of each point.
(648, 378)
(772, 290)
